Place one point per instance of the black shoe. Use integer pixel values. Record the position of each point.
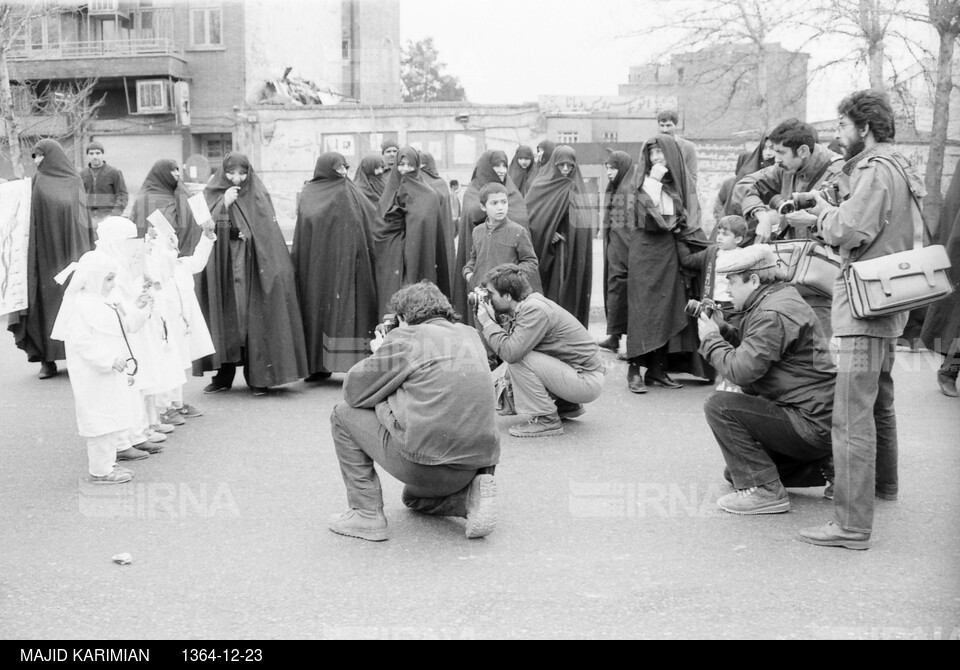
(215, 388)
(635, 380)
(663, 380)
(48, 369)
(318, 377)
(259, 390)
(612, 343)
(569, 410)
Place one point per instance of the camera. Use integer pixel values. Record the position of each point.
(477, 296)
(390, 321)
(830, 192)
(695, 308)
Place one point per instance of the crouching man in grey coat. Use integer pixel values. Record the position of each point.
(422, 408)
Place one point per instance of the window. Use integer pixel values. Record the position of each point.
(610, 137)
(205, 27)
(345, 49)
(567, 137)
(152, 96)
(216, 147)
(24, 99)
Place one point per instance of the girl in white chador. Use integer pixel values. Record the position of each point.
(159, 360)
(93, 324)
(186, 326)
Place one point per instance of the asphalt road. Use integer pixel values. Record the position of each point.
(609, 531)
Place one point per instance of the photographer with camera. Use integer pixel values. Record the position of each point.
(552, 360)
(881, 217)
(777, 432)
(421, 407)
(801, 165)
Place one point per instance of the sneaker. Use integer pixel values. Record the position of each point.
(767, 499)
(481, 506)
(539, 426)
(131, 454)
(172, 417)
(189, 411)
(947, 384)
(150, 447)
(116, 476)
(155, 437)
(832, 535)
(215, 388)
(164, 428)
(361, 523)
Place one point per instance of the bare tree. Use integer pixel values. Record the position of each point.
(73, 102)
(13, 21)
(944, 15)
(751, 24)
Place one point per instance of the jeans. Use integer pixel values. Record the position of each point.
(538, 378)
(361, 440)
(758, 439)
(864, 429)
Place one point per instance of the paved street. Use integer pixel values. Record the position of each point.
(608, 531)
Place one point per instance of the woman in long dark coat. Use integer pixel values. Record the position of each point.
(431, 177)
(619, 222)
(248, 293)
(60, 232)
(562, 233)
(660, 336)
(409, 241)
(941, 329)
(162, 189)
(333, 258)
(369, 177)
(523, 168)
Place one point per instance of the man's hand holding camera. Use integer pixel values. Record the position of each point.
(479, 298)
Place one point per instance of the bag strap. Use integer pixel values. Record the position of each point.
(923, 229)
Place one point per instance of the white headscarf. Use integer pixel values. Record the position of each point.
(88, 275)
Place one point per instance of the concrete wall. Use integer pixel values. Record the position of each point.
(302, 34)
(284, 144)
(376, 30)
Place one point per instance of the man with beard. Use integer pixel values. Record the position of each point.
(879, 218)
(389, 150)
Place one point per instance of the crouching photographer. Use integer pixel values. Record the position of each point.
(421, 407)
(553, 362)
(777, 432)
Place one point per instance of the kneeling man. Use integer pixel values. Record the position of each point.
(422, 408)
(777, 432)
(552, 360)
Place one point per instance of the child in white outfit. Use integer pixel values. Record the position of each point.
(93, 326)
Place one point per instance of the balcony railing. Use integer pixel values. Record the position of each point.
(105, 49)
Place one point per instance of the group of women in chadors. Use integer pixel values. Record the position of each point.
(310, 312)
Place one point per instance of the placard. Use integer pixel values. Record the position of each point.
(198, 205)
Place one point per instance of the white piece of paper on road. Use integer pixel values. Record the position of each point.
(14, 243)
(198, 205)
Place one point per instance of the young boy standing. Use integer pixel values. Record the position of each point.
(498, 240)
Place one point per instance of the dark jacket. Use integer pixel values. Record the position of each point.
(782, 357)
(430, 385)
(106, 190)
(507, 242)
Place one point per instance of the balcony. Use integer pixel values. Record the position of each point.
(117, 58)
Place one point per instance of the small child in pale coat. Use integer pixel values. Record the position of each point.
(93, 327)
